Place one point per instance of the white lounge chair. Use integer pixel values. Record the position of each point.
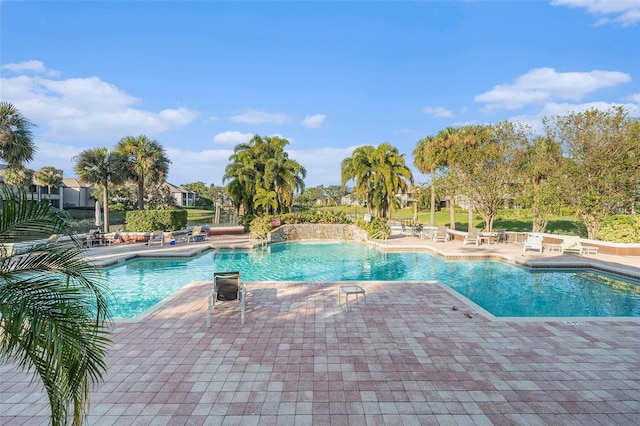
(472, 237)
(572, 245)
(197, 234)
(442, 234)
(157, 237)
(533, 242)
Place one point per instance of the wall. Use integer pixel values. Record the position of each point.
(316, 232)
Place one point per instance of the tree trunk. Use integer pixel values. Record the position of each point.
(105, 207)
(141, 194)
(432, 217)
(452, 214)
(470, 219)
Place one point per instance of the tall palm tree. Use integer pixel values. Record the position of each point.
(99, 166)
(148, 162)
(428, 157)
(448, 139)
(16, 144)
(53, 313)
(359, 168)
(50, 177)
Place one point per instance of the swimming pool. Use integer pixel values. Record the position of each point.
(503, 290)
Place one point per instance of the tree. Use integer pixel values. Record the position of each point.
(16, 143)
(543, 179)
(50, 177)
(265, 201)
(603, 161)
(147, 162)
(19, 176)
(448, 143)
(53, 314)
(487, 171)
(428, 157)
(379, 174)
(99, 166)
(263, 163)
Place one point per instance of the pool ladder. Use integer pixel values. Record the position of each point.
(380, 235)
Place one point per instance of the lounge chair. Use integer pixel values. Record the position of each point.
(157, 237)
(572, 245)
(533, 242)
(113, 238)
(442, 234)
(227, 290)
(472, 237)
(196, 234)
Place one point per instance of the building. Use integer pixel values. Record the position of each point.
(183, 197)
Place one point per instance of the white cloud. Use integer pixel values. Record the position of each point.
(232, 138)
(322, 164)
(313, 121)
(35, 67)
(191, 166)
(437, 111)
(625, 12)
(86, 108)
(257, 117)
(545, 84)
(634, 98)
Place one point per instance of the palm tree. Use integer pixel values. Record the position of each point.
(19, 176)
(99, 166)
(16, 144)
(428, 157)
(50, 177)
(359, 168)
(148, 162)
(379, 174)
(53, 314)
(263, 163)
(265, 200)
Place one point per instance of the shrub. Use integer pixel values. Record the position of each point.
(260, 227)
(621, 229)
(377, 227)
(155, 220)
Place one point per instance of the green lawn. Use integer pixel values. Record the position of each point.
(557, 224)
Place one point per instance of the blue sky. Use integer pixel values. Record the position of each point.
(203, 76)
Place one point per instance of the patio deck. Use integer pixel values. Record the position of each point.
(405, 358)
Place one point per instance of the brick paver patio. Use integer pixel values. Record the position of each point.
(405, 358)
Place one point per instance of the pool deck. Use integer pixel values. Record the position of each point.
(414, 354)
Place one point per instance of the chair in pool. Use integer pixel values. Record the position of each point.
(227, 291)
(533, 242)
(472, 237)
(442, 234)
(196, 234)
(157, 237)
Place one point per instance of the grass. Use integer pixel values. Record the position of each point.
(557, 224)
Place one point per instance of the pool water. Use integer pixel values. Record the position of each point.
(502, 289)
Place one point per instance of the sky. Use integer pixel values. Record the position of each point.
(201, 77)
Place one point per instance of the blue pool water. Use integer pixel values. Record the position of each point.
(502, 289)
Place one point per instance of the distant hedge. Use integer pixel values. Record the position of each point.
(155, 220)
